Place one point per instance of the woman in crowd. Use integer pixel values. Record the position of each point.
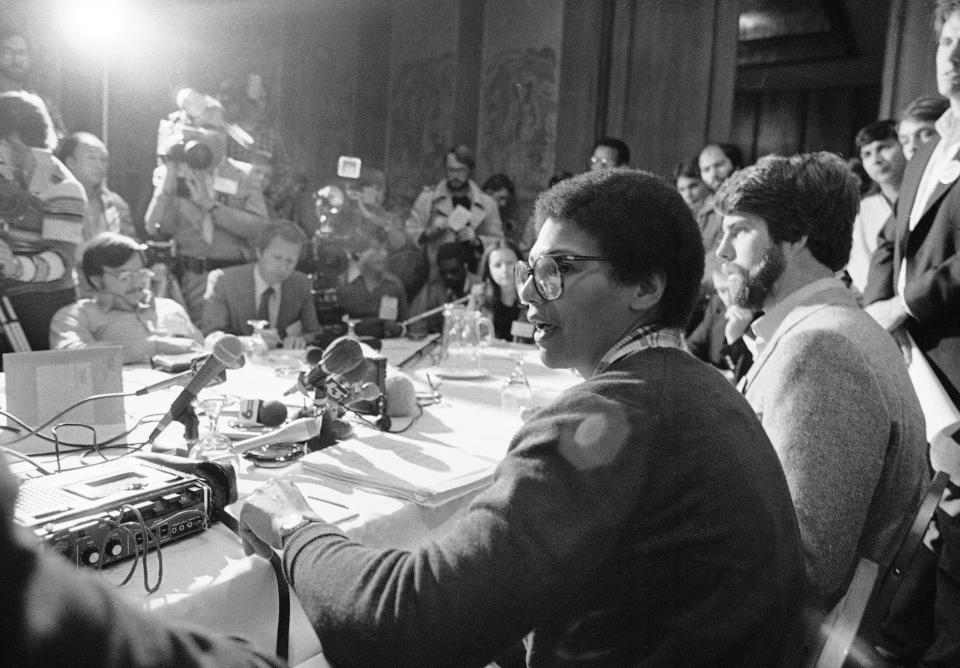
(123, 310)
(496, 295)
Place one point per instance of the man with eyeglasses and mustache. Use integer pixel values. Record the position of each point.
(455, 209)
(642, 519)
(122, 310)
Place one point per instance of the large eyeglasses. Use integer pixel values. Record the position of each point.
(547, 273)
(127, 275)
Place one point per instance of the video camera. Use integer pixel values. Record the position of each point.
(161, 252)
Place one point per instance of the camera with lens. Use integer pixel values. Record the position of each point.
(179, 143)
(161, 252)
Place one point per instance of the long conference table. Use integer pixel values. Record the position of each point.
(207, 580)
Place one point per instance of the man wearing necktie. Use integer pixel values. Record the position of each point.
(269, 289)
(914, 282)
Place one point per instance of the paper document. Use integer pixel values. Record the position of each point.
(941, 416)
(423, 472)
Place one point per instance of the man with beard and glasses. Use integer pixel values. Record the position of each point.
(828, 383)
(456, 209)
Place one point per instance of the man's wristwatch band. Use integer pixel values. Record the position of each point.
(288, 529)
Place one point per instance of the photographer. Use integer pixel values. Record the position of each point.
(41, 213)
(210, 205)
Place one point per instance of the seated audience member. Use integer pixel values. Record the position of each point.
(718, 339)
(122, 310)
(54, 614)
(38, 249)
(87, 159)
(214, 214)
(692, 188)
(372, 294)
(883, 160)
(269, 289)
(609, 152)
(453, 282)
(916, 126)
(456, 209)
(496, 295)
(642, 519)
(828, 383)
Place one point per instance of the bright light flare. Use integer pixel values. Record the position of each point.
(97, 26)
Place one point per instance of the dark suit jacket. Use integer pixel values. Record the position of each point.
(230, 301)
(932, 251)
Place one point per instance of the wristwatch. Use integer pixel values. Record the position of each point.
(293, 523)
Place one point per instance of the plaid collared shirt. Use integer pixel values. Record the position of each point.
(648, 336)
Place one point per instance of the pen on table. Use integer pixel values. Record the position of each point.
(325, 500)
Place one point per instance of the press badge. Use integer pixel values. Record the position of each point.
(388, 308)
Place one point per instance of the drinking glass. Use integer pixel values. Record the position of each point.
(516, 394)
(213, 445)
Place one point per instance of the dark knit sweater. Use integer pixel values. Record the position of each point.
(643, 519)
(54, 614)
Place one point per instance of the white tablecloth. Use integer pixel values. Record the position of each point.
(206, 578)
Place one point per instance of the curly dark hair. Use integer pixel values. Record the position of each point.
(642, 224)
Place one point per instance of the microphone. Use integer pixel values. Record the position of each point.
(343, 355)
(227, 354)
(297, 430)
(255, 412)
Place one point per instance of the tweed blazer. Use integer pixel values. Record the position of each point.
(932, 253)
(833, 394)
(231, 300)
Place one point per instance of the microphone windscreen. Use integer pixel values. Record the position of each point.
(273, 414)
(342, 355)
(314, 355)
(228, 350)
(400, 397)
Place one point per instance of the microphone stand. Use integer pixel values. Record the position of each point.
(191, 426)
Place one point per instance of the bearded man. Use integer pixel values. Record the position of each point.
(829, 385)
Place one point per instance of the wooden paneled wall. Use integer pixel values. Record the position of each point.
(795, 121)
(909, 64)
(530, 84)
(671, 77)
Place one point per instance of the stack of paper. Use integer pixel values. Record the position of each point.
(427, 473)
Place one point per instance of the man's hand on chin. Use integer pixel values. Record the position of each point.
(889, 313)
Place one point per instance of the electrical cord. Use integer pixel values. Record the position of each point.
(283, 589)
(106, 445)
(93, 397)
(138, 548)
